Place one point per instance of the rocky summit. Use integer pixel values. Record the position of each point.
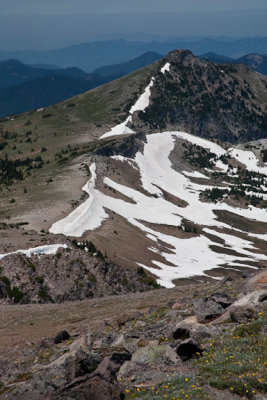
(222, 101)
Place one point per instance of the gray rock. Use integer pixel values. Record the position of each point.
(222, 298)
(174, 315)
(156, 354)
(110, 366)
(93, 388)
(130, 345)
(201, 332)
(207, 310)
(251, 300)
(242, 314)
(257, 282)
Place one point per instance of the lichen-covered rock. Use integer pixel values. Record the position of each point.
(161, 354)
(242, 314)
(257, 282)
(207, 309)
(222, 298)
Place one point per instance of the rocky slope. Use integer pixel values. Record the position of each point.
(208, 343)
(75, 272)
(226, 102)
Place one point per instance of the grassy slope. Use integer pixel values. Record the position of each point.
(76, 122)
(234, 361)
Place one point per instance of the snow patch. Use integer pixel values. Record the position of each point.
(49, 249)
(165, 68)
(247, 158)
(141, 104)
(195, 174)
(121, 129)
(143, 101)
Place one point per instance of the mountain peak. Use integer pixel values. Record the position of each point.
(179, 55)
(223, 101)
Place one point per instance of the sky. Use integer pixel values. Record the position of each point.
(44, 24)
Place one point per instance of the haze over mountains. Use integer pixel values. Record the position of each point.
(89, 56)
(24, 88)
(256, 61)
(27, 87)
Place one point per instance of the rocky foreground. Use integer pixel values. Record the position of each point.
(192, 342)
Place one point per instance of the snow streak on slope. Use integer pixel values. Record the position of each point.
(165, 68)
(141, 104)
(187, 257)
(49, 249)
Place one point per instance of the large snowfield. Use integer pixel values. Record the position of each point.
(184, 257)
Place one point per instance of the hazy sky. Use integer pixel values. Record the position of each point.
(43, 24)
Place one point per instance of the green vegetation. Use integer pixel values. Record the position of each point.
(264, 155)
(148, 280)
(198, 156)
(214, 194)
(13, 293)
(89, 247)
(12, 171)
(234, 361)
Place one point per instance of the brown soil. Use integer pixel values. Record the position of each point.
(29, 323)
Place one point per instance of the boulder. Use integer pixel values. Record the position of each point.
(126, 317)
(155, 354)
(174, 315)
(130, 345)
(176, 306)
(189, 327)
(207, 309)
(242, 314)
(81, 364)
(127, 369)
(184, 328)
(92, 389)
(257, 282)
(110, 366)
(222, 298)
(61, 337)
(249, 301)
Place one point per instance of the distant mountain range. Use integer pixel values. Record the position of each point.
(90, 56)
(257, 62)
(24, 88)
(13, 72)
(122, 69)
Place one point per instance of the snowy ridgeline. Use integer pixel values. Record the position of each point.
(157, 175)
(141, 104)
(49, 249)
